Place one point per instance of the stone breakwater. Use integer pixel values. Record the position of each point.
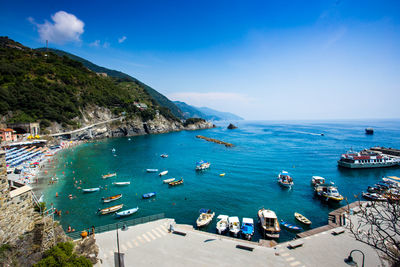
(215, 141)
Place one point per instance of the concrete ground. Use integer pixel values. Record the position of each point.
(151, 244)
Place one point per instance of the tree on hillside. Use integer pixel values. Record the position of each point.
(378, 225)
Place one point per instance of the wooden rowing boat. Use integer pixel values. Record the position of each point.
(302, 218)
(105, 176)
(111, 209)
(174, 183)
(112, 198)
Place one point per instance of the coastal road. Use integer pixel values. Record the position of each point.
(87, 127)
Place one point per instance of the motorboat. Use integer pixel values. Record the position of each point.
(329, 192)
(234, 225)
(149, 195)
(164, 155)
(163, 173)
(152, 170)
(202, 165)
(105, 176)
(247, 228)
(112, 198)
(302, 218)
(285, 180)
(290, 226)
(205, 217)
(121, 183)
(269, 223)
(167, 181)
(127, 212)
(366, 159)
(374, 197)
(175, 183)
(222, 224)
(110, 209)
(90, 190)
(316, 180)
(222, 174)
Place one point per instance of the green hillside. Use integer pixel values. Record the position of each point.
(36, 85)
(159, 98)
(205, 113)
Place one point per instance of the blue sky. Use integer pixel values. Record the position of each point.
(259, 59)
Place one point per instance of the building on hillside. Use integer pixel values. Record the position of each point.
(141, 106)
(8, 135)
(22, 128)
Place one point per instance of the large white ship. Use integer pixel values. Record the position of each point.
(366, 159)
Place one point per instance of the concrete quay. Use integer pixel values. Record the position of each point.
(151, 244)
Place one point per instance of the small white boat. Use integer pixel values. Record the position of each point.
(127, 212)
(285, 180)
(302, 218)
(316, 180)
(121, 183)
(222, 224)
(205, 217)
(90, 190)
(164, 156)
(234, 225)
(152, 170)
(166, 181)
(113, 150)
(269, 223)
(163, 173)
(110, 209)
(202, 165)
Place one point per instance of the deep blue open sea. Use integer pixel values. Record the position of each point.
(262, 150)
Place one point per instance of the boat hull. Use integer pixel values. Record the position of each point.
(350, 165)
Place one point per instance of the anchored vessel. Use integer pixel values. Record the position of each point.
(366, 159)
(329, 192)
(269, 223)
(202, 165)
(285, 180)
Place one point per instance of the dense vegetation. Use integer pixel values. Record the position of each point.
(62, 255)
(159, 98)
(43, 86)
(192, 121)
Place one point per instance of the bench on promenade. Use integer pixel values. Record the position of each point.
(296, 243)
(338, 231)
(244, 247)
(179, 233)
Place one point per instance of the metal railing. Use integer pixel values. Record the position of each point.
(113, 226)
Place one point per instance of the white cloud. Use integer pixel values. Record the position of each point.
(65, 28)
(95, 43)
(122, 39)
(106, 45)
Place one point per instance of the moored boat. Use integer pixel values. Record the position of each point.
(127, 212)
(149, 195)
(202, 165)
(164, 155)
(110, 209)
(222, 174)
(285, 180)
(177, 182)
(269, 223)
(90, 190)
(121, 183)
(366, 159)
(329, 192)
(291, 226)
(369, 131)
(152, 170)
(374, 196)
(234, 225)
(163, 173)
(247, 228)
(316, 180)
(205, 217)
(112, 198)
(222, 224)
(105, 176)
(302, 218)
(167, 181)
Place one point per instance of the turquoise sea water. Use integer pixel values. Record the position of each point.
(262, 150)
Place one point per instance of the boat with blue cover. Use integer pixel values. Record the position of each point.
(247, 228)
(149, 195)
(291, 226)
(127, 212)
